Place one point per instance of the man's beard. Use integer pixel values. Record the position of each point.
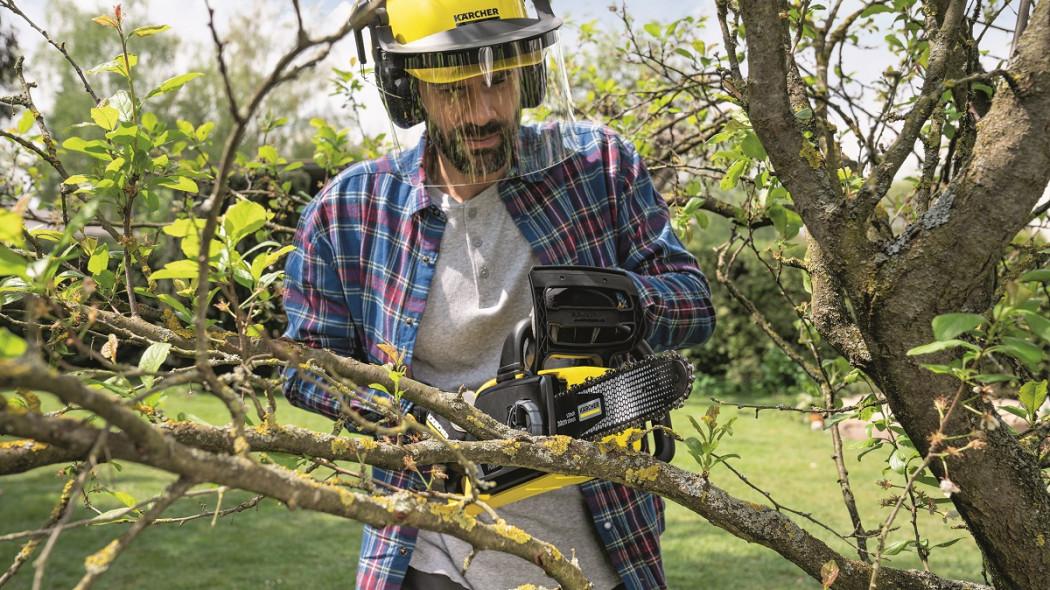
(475, 163)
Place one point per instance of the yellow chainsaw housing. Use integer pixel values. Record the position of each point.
(550, 481)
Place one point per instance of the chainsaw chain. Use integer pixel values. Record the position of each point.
(652, 408)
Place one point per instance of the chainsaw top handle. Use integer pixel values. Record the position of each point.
(578, 312)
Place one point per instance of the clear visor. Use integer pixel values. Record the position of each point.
(487, 114)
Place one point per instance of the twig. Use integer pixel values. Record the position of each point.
(67, 513)
(100, 562)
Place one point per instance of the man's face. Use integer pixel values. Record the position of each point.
(473, 124)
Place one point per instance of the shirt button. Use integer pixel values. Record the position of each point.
(477, 242)
(402, 551)
(472, 213)
(484, 272)
(410, 321)
(607, 526)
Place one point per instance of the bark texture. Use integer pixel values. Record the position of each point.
(945, 262)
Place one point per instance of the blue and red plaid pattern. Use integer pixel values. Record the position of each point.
(363, 265)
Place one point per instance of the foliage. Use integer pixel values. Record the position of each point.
(711, 432)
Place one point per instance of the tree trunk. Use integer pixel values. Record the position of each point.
(945, 262)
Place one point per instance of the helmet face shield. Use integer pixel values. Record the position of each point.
(491, 95)
(474, 126)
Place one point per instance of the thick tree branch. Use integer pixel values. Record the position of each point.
(237, 471)
(944, 48)
(815, 192)
(212, 462)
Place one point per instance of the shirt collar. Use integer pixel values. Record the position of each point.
(412, 160)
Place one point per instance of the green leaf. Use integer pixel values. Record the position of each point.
(653, 29)
(11, 346)
(173, 84)
(785, 221)
(204, 131)
(947, 543)
(106, 117)
(988, 378)
(178, 269)
(898, 462)
(25, 123)
(180, 228)
(950, 325)
(1041, 275)
(180, 183)
(150, 30)
(1019, 412)
(130, 135)
(151, 199)
(76, 179)
(95, 148)
(1021, 350)
(939, 346)
(125, 498)
(116, 65)
(243, 218)
(11, 263)
(1032, 395)
(1039, 325)
(152, 358)
(180, 309)
(11, 226)
(99, 260)
(115, 165)
(123, 103)
(896, 548)
(268, 154)
(106, 279)
(752, 147)
(732, 176)
(804, 114)
(273, 257)
(875, 9)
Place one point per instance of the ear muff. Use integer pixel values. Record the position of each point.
(533, 85)
(399, 92)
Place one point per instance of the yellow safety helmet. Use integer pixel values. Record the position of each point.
(413, 21)
(443, 41)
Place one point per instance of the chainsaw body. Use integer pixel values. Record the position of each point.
(591, 320)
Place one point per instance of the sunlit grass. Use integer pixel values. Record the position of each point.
(782, 456)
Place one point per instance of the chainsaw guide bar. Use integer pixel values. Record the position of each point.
(624, 397)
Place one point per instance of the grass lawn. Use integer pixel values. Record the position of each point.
(271, 547)
(782, 456)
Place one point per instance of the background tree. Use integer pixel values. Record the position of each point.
(932, 295)
(8, 54)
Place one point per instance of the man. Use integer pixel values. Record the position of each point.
(428, 251)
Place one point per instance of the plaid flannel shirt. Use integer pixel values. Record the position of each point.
(359, 278)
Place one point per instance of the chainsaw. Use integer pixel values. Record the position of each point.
(591, 321)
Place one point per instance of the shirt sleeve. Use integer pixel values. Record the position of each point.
(317, 308)
(674, 291)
